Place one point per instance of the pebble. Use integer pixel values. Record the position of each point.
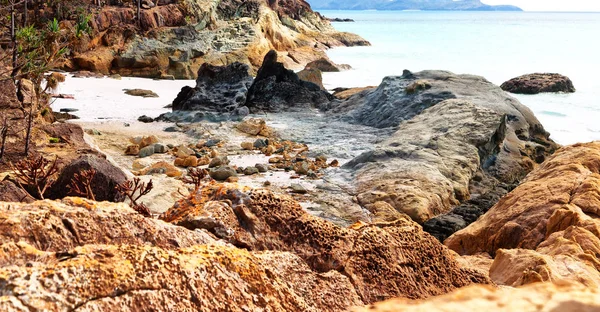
(159, 148)
(298, 188)
(146, 151)
(251, 171)
(262, 167)
(222, 173)
(218, 161)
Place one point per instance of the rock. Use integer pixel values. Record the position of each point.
(383, 260)
(68, 110)
(146, 151)
(546, 228)
(321, 158)
(298, 188)
(10, 192)
(461, 127)
(103, 185)
(251, 171)
(260, 143)
(141, 163)
(324, 65)
(312, 75)
(184, 151)
(212, 142)
(252, 126)
(115, 76)
(133, 150)
(218, 161)
(161, 167)
(172, 129)
(538, 83)
(222, 173)
(220, 90)
(145, 119)
(141, 92)
(262, 168)
(247, 146)
(190, 161)
(301, 167)
(277, 89)
(537, 297)
(159, 148)
(147, 141)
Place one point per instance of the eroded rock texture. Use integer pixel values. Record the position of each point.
(460, 142)
(547, 228)
(542, 297)
(381, 260)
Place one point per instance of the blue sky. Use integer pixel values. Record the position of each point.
(551, 5)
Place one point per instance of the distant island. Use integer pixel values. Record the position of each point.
(428, 5)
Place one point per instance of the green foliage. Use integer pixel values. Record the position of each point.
(44, 113)
(54, 140)
(83, 25)
(53, 26)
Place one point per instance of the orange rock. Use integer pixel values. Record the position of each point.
(247, 146)
(190, 161)
(383, 260)
(149, 140)
(133, 150)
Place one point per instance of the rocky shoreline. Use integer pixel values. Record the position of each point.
(430, 191)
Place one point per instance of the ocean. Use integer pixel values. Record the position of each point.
(496, 45)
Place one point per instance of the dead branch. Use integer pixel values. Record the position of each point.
(35, 174)
(197, 177)
(81, 184)
(134, 190)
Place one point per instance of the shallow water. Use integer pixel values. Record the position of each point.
(496, 45)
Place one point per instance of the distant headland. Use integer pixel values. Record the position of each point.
(426, 5)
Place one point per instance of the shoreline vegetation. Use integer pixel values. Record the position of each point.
(261, 190)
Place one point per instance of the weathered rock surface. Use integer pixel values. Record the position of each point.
(277, 89)
(199, 278)
(547, 228)
(541, 297)
(538, 83)
(312, 75)
(103, 185)
(175, 38)
(219, 90)
(10, 192)
(459, 140)
(381, 260)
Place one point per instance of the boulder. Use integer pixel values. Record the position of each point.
(222, 173)
(277, 89)
(103, 185)
(141, 92)
(538, 83)
(546, 229)
(458, 140)
(146, 151)
(325, 65)
(312, 75)
(537, 297)
(382, 260)
(219, 90)
(10, 192)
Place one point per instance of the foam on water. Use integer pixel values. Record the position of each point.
(496, 45)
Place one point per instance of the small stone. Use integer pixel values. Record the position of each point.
(239, 170)
(322, 158)
(247, 146)
(266, 183)
(212, 142)
(140, 92)
(115, 76)
(218, 161)
(203, 161)
(232, 179)
(146, 151)
(302, 168)
(141, 163)
(126, 125)
(93, 132)
(334, 163)
(260, 143)
(269, 150)
(214, 153)
(132, 150)
(262, 167)
(184, 151)
(172, 129)
(179, 161)
(159, 148)
(222, 173)
(68, 110)
(275, 160)
(201, 144)
(145, 119)
(190, 161)
(251, 170)
(251, 126)
(149, 140)
(298, 188)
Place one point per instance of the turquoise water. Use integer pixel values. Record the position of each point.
(496, 45)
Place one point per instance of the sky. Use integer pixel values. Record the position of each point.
(551, 5)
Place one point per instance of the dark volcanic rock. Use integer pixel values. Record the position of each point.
(277, 89)
(103, 185)
(220, 91)
(538, 83)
